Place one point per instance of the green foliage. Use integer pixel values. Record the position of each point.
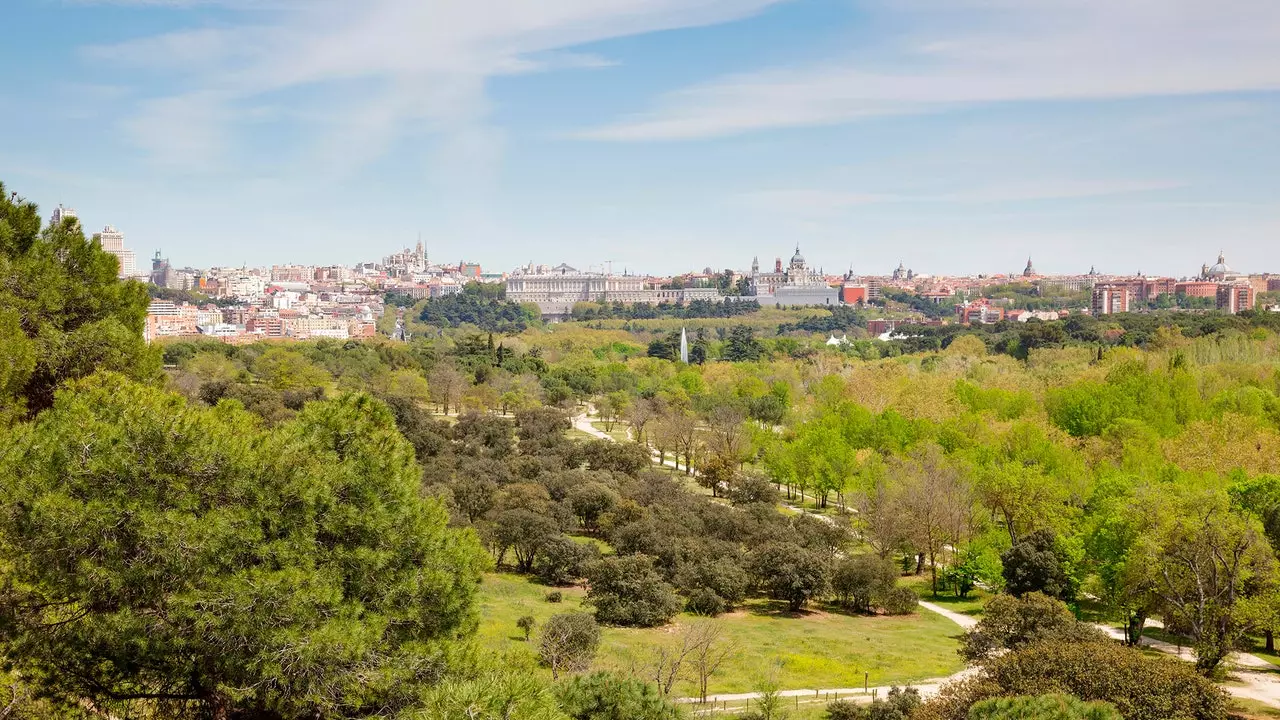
(1038, 564)
(479, 307)
(898, 704)
(489, 695)
(627, 591)
(1042, 707)
(791, 573)
(742, 345)
(1140, 687)
(63, 313)
(605, 696)
(1010, 622)
(170, 555)
(861, 580)
(568, 642)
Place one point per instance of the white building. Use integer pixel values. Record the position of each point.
(795, 285)
(61, 213)
(112, 241)
(556, 290)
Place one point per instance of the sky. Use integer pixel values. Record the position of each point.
(657, 136)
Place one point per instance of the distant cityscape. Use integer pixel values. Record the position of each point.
(248, 304)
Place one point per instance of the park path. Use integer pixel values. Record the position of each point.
(1255, 679)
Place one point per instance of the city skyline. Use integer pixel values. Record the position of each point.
(955, 136)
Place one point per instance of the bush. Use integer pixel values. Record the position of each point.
(898, 601)
(722, 577)
(1044, 707)
(526, 623)
(1009, 622)
(751, 488)
(569, 642)
(1140, 687)
(1038, 564)
(897, 705)
(605, 696)
(789, 572)
(560, 561)
(706, 602)
(555, 596)
(857, 580)
(628, 591)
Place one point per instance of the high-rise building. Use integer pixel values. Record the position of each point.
(61, 213)
(1235, 297)
(1111, 299)
(112, 241)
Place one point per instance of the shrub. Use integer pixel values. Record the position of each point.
(723, 577)
(526, 623)
(706, 602)
(1044, 707)
(555, 596)
(561, 561)
(628, 591)
(605, 696)
(897, 705)
(1140, 687)
(1038, 564)
(789, 572)
(857, 580)
(1009, 622)
(569, 642)
(898, 601)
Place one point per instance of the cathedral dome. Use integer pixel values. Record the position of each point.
(1221, 269)
(797, 260)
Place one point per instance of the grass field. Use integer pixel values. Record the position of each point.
(971, 605)
(813, 650)
(618, 433)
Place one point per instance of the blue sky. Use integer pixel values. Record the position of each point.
(957, 136)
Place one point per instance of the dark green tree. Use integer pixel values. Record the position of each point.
(628, 591)
(605, 696)
(173, 559)
(63, 312)
(1037, 564)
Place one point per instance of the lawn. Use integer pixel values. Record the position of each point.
(618, 433)
(971, 605)
(813, 650)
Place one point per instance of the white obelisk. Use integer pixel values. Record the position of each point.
(684, 346)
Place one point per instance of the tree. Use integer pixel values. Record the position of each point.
(166, 556)
(791, 573)
(561, 561)
(526, 623)
(857, 581)
(742, 345)
(605, 696)
(524, 532)
(1010, 622)
(1043, 707)
(568, 642)
(489, 694)
(627, 591)
(1037, 564)
(589, 501)
(612, 408)
(63, 313)
(936, 505)
(447, 385)
(1139, 686)
(710, 650)
(1204, 557)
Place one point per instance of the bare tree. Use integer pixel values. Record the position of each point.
(729, 438)
(683, 429)
(936, 504)
(710, 650)
(639, 414)
(446, 385)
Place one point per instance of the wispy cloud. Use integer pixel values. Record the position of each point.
(1004, 51)
(405, 51)
(814, 202)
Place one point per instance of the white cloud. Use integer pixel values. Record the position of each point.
(818, 202)
(1029, 50)
(414, 51)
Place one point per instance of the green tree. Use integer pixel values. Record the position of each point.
(628, 591)
(1010, 622)
(857, 581)
(63, 313)
(605, 696)
(742, 345)
(170, 556)
(1037, 563)
(791, 573)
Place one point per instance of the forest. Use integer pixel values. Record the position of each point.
(563, 522)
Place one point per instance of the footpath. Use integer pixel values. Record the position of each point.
(1252, 678)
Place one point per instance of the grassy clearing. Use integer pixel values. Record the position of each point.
(618, 433)
(1253, 709)
(971, 605)
(813, 650)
